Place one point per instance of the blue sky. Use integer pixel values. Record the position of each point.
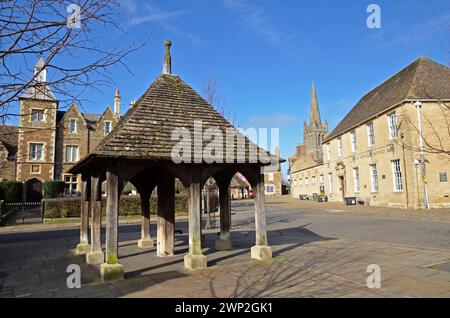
(264, 54)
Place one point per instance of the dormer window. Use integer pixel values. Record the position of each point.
(73, 126)
(107, 127)
(37, 115)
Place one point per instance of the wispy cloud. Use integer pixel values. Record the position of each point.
(401, 33)
(274, 121)
(140, 12)
(257, 20)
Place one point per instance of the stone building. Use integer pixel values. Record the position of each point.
(373, 153)
(49, 141)
(273, 178)
(309, 154)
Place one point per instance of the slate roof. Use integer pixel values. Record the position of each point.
(91, 119)
(39, 91)
(423, 79)
(146, 129)
(9, 136)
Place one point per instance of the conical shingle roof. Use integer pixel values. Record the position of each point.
(145, 132)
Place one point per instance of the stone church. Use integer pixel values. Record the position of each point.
(48, 141)
(309, 154)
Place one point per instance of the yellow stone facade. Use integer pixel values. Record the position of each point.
(378, 161)
(384, 186)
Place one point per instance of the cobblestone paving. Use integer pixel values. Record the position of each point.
(306, 263)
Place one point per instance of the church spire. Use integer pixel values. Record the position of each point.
(315, 112)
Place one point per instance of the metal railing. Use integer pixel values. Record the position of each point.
(21, 213)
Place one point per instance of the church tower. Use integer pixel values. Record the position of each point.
(315, 132)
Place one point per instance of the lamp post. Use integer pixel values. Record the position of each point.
(418, 105)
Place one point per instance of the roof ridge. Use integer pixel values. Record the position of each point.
(412, 80)
(419, 62)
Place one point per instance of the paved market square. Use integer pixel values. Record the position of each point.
(320, 250)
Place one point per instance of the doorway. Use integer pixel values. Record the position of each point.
(342, 187)
(33, 190)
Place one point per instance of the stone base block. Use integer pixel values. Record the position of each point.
(145, 243)
(261, 253)
(83, 248)
(164, 253)
(224, 245)
(111, 272)
(95, 258)
(194, 262)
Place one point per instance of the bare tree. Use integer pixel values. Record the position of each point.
(61, 32)
(436, 131)
(212, 95)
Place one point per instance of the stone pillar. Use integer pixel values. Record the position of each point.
(146, 239)
(84, 247)
(195, 259)
(166, 216)
(111, 269)
(224, 243)
(261, 251)
(96, 255)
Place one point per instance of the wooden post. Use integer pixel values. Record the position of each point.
(146, 239)
(166, 216)
(224, 243)
(84, 247)
(96, 255)
(111, 269)
(261, 250)
(195, 259)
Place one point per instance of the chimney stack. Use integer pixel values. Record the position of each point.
(117, 104)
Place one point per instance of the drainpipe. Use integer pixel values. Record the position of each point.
(418, 105)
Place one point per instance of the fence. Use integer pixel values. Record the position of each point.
(21, 213)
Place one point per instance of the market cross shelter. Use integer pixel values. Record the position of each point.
(138, 150)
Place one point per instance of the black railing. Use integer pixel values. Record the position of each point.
(21, 213)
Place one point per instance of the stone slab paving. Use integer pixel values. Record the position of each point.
(305, 264)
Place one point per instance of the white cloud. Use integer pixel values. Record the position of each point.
(257, 20)
(401, 33)
(146, 12)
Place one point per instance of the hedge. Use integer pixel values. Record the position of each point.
(54, 189)
(129, 206)
(11, 191)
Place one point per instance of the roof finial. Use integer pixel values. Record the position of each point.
(167, 69)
